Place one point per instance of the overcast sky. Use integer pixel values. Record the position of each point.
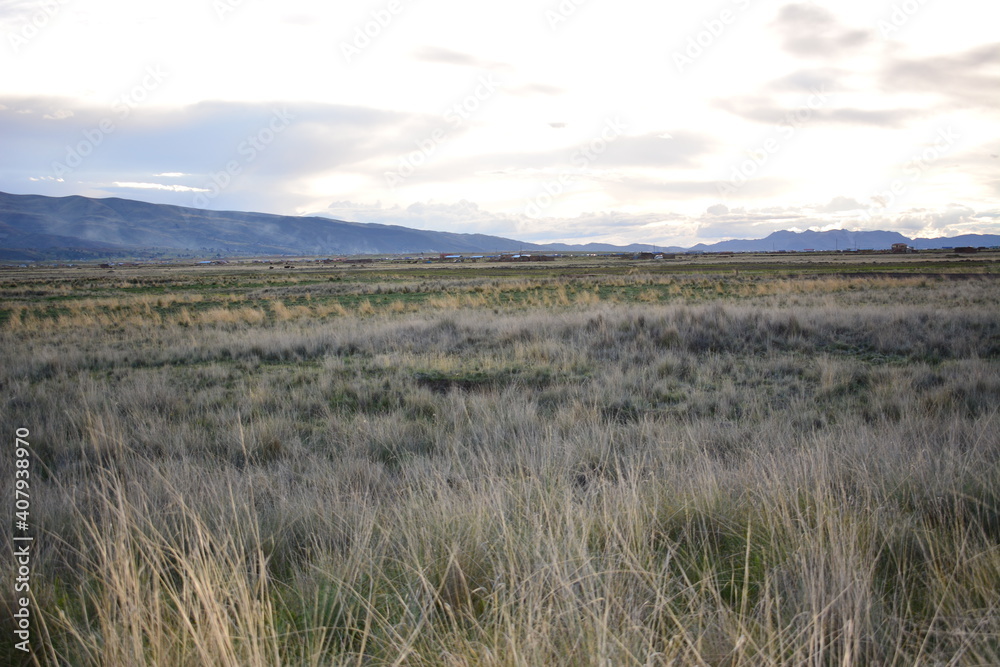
(582, 120)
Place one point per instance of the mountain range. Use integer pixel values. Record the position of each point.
(34, 227)
(842, 239)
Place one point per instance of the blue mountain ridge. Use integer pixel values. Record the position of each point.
(40, 227)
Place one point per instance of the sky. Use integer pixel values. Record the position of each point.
(542, 120)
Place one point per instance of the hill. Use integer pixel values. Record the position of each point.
(37, 227)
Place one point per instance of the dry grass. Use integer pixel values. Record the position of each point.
(622, 470)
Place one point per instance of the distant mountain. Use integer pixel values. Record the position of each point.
(841, 239)
(36, 227)
(838, 239)
(967, 240)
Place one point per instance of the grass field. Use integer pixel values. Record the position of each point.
(710, 461)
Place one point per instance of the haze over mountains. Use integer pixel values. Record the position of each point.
(36, 227)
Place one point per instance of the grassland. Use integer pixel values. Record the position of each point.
(718, 461)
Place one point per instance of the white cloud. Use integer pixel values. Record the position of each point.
(842, 204)
(59, 114)
(157, 186)
(809, 30)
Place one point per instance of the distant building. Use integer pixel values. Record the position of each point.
(901, 248)
(527, 258)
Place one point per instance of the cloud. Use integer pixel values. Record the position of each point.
(617, 227)
(301, 20)
(969, 78)
(638, 188)
(437, 54)
(827, 79)
(557, 126)
(871, 117)
(743, 223)
(685, 148)
(463, 214)
(59, 114)
(204, 136)
(198, 142)
(532, 89)
(606, 164)
(665, 188)
(952, 220)
(771, 110)
(22, 11)
(679, 148)
(157, 186)
(230, 149)
(842, 204)
(809, 30)
(718, 209)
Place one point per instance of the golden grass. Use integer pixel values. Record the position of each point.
(192, 309)
(517, 472)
